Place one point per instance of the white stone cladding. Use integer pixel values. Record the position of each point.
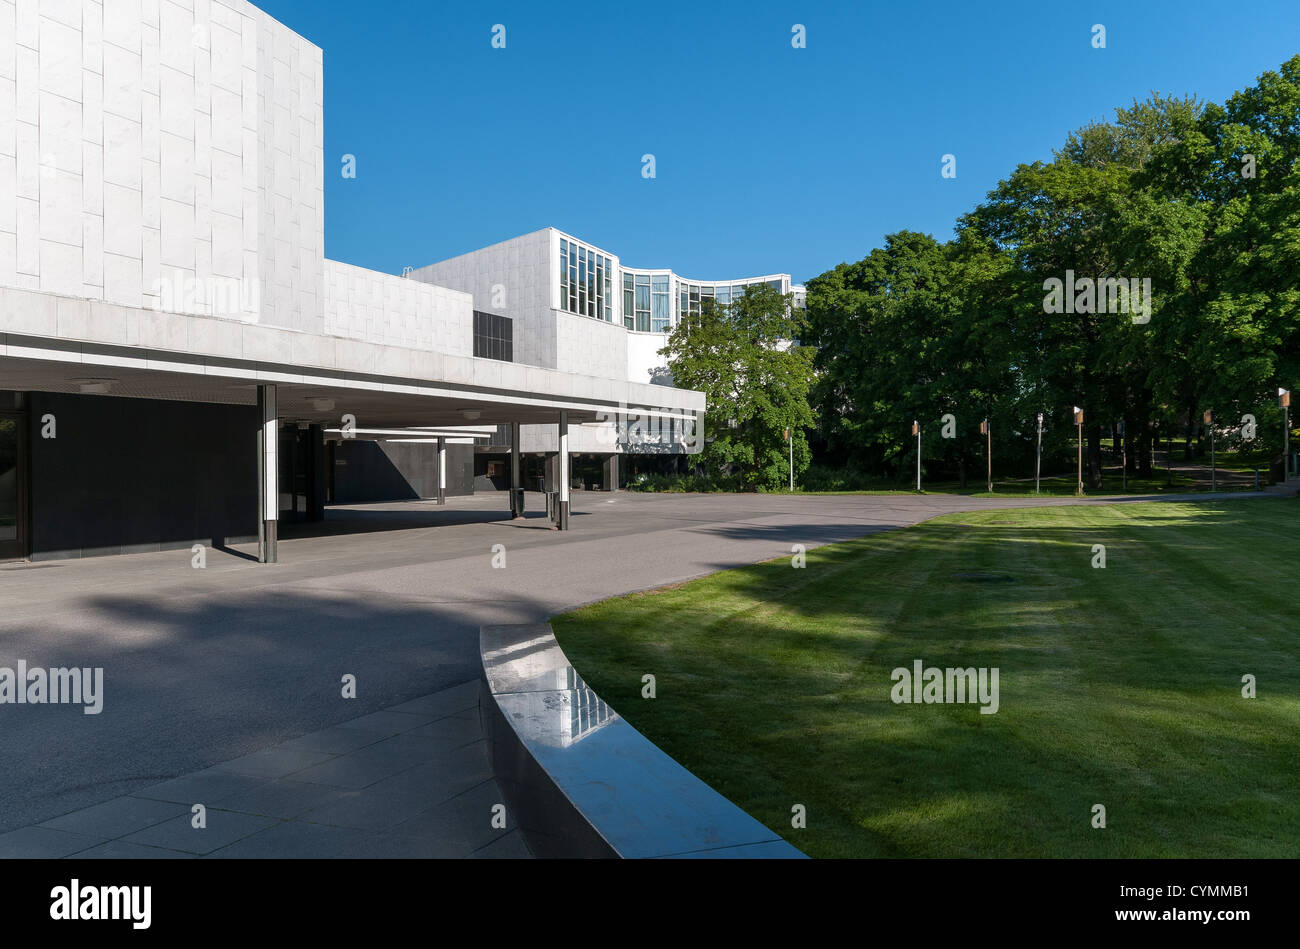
(162, 189)
(161, 148)
(514, 278)
(381, 308)
(599, 439)
(644, 364)
(291, 182)
(510, 279)
(583, 344)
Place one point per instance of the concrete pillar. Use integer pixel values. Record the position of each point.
(442, 471)
(564, 471)
(516, 477)
(611, 473)
(268, 471)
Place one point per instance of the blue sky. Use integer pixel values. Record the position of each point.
(769, 159)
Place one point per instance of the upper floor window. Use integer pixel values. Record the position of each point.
(661, 318)
(643, 303)
(585, 281)
(629, 301)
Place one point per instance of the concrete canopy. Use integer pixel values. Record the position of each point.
(63, 344)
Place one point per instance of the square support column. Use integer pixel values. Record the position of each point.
(564, 475)
(316, 473)
(516, 479)
(268, 474)
(611, 473)
(442, 471)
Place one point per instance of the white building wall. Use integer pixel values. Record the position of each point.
(510, 279)
(644, 364)
(652, 436)
(583, 439)
(381, 308)
(590, 346)
(291, 224)
(155, 149)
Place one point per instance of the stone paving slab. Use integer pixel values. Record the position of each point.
(43, 843)
(222, 828)
(409, 781)
(118, 817)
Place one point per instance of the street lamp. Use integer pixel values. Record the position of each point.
(1123, 455)
(1208, 419)
(791, 441)
(1038, 462)
(1078, 421)
(1284, 400)
(916, 430)
(987, 430)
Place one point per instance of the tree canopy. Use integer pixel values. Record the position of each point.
(746, 358)
(1039, 302)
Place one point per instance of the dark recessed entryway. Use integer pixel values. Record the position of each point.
(13, 486)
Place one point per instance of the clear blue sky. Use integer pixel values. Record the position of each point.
(769, 159)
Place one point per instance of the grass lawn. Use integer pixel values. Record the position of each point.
(1118, 686)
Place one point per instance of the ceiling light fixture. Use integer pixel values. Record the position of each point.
(94, 385)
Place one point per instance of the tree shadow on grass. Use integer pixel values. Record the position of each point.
(1115, 689)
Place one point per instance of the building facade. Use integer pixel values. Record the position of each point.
(566, 304)
(179, 362)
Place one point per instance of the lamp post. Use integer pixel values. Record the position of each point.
(1123, 455)
(987, 430)
(1284, 400)
(1078, 421)
(916, 430)
(1169, 455)
(1208, 418)
(791, 441)
(1038, 462)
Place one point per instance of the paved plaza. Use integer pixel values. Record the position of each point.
(222, 685)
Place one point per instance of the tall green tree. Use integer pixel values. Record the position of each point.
(915, 331)
(746, 358)
(1200, 201)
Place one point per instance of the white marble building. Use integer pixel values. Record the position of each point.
(162, 259)
(607, 317)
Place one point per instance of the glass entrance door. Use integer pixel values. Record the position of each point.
(13, 488)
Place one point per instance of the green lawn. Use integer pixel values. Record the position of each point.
(1119, 687)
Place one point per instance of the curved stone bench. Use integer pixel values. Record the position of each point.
(582, 782)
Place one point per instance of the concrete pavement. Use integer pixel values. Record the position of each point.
(206, 666)
(410, 781)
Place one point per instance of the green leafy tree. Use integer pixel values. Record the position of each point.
(1202, 201)
(745, 357)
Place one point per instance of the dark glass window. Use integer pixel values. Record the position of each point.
(494, 337)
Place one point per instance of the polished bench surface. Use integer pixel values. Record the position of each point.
(552, 729)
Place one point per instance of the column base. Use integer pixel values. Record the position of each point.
(270, 544)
